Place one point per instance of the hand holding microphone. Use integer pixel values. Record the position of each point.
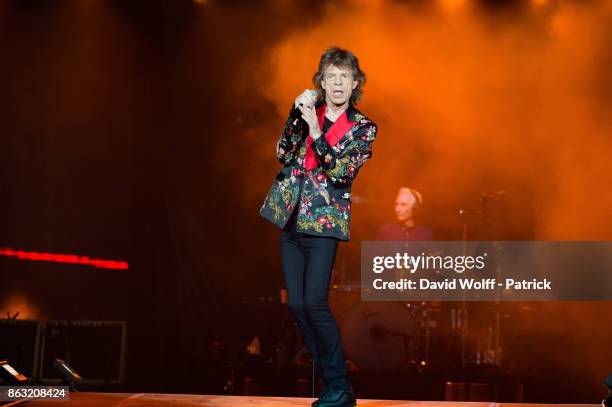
(306, 98)
(305, 102)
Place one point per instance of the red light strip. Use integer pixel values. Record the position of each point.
(64, 258)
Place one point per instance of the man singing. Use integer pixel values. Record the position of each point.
(324, 143)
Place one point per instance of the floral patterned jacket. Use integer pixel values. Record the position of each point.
(322, 195)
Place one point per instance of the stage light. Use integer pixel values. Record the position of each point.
(10, 374)
(451, 5)
(64, 258)
(70, 375)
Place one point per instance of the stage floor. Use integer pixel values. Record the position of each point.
(162, 400)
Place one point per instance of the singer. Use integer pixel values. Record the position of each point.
(325, 142)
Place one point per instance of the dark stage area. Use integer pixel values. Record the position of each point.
(137, 146)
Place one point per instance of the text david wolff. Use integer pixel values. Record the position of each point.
(462, 284)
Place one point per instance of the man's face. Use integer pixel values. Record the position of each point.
(404, 206)
(338, 84)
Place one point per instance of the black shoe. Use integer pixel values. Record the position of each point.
(324, 391)
(333, 397)
(317, 402)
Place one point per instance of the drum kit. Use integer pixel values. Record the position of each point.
(421, 336)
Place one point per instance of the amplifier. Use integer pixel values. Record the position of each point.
(95, 349)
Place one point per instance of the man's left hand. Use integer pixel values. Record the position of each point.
(309, 115)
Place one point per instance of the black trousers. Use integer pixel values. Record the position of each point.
(307, 266)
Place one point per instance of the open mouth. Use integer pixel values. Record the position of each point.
(337, 93)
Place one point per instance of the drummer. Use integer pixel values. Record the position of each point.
(408, 208)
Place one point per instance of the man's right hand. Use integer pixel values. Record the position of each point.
(308, 98)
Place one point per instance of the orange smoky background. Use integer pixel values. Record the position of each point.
(470, 99)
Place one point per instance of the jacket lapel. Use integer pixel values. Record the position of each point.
(340, 127)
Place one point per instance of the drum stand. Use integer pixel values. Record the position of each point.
(493, 335)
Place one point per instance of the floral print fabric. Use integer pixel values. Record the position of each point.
(322, 196)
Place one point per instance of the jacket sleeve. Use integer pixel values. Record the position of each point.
(342, 167)
(288, 144)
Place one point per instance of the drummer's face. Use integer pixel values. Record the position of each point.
(404, 206)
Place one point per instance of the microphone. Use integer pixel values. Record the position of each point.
(298, 122)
